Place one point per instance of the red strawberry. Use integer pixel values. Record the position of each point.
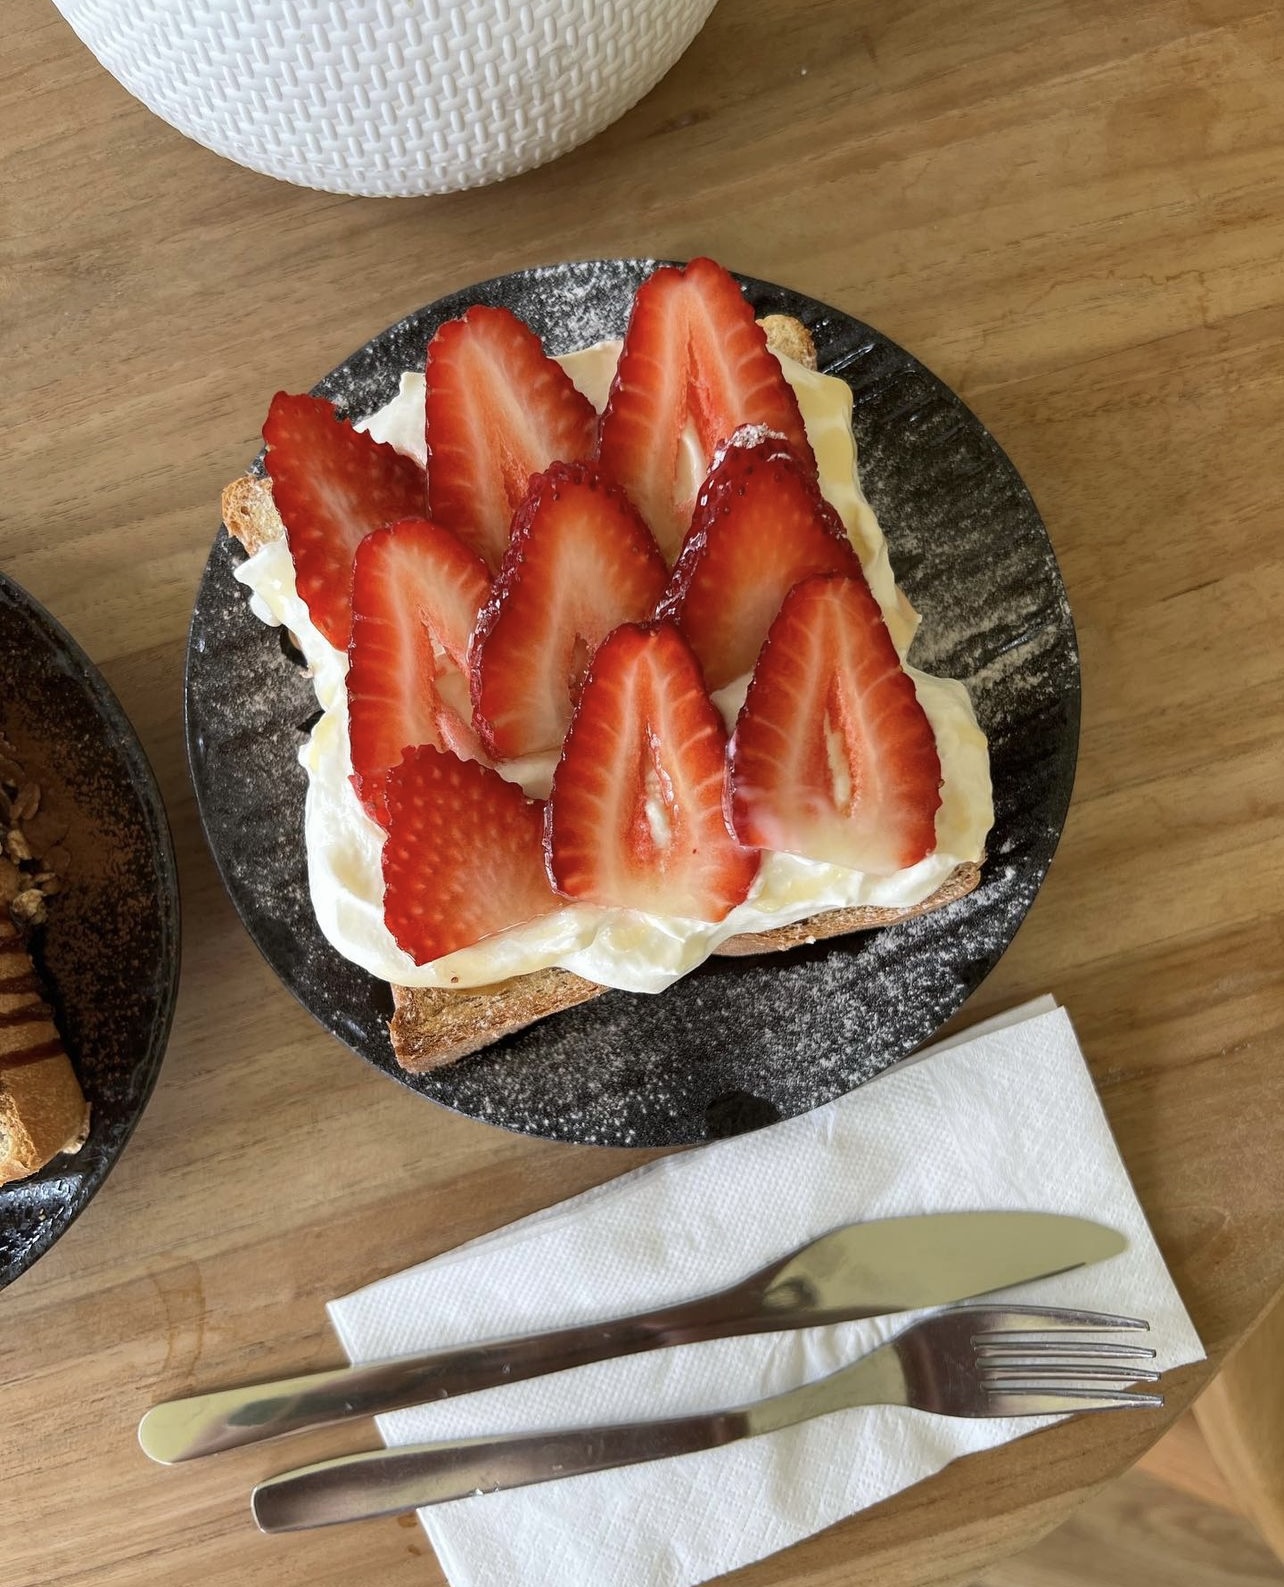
(464, 856)
(416, 592)
(637, 818)
(332, 485)
(580, 563)
(760, 526)
(833, 757)
(498, 410)
(693, 357)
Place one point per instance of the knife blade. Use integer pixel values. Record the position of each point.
(860, 1270)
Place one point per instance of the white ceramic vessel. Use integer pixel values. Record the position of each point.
(388, 97)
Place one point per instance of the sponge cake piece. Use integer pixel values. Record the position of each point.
(42, 1110)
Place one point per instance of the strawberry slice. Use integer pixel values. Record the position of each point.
(416, 592)
(760, 526)
(638, 815)
(833, 756)
(580, 563)
(464, 856)
(332, 486)
(498, 410)
(694, 367)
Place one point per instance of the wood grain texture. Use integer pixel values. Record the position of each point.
(1141, 1533)
(1181, 1460)
(1074, 212)
(1241, 1416)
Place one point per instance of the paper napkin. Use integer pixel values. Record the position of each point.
(1002, 1118)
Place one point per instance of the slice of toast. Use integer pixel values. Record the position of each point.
(42, 1110)
(432, 1026)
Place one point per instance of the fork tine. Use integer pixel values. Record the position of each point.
(1049, 1319)
(1028, 1377)
(1004, 1402)
(1023, 1345)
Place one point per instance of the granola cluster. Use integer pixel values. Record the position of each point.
(33, 861)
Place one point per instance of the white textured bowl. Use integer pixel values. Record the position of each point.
(388, 97)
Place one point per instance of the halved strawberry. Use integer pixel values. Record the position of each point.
(416, 592)
(580, 563)
(332, 486)
(694, 367)
(760, 526)
(638, 817)
(833, 757)
(498, 410)
(464, 855)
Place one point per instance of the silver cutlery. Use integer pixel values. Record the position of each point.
(969, 1362)
(860, 1270)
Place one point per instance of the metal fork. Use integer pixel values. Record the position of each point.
(972, 1361)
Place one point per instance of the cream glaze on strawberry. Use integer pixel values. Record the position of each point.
(614, 947)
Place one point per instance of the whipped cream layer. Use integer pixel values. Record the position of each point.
(623, 948)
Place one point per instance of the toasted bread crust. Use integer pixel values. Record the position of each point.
(789, 338)
(433, 1027)
(250, 513)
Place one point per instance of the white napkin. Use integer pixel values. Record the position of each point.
(1005, 1119)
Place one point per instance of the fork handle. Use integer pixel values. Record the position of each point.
(392, 1481)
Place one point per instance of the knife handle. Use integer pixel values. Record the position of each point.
(393, 1481)
(203, 1424)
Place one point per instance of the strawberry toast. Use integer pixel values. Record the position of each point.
(611, 664)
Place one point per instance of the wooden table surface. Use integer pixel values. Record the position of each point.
(1073, 210)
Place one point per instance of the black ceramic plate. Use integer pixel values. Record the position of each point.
(740, 1042)
(109, 953)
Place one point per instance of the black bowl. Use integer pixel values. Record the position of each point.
(109, 954)
(739, 1043)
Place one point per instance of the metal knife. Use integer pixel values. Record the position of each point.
(860, 1270)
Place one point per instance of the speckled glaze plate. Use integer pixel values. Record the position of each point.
(740, 1042)
(109, 955)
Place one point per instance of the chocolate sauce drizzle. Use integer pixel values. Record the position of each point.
(24, 983)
